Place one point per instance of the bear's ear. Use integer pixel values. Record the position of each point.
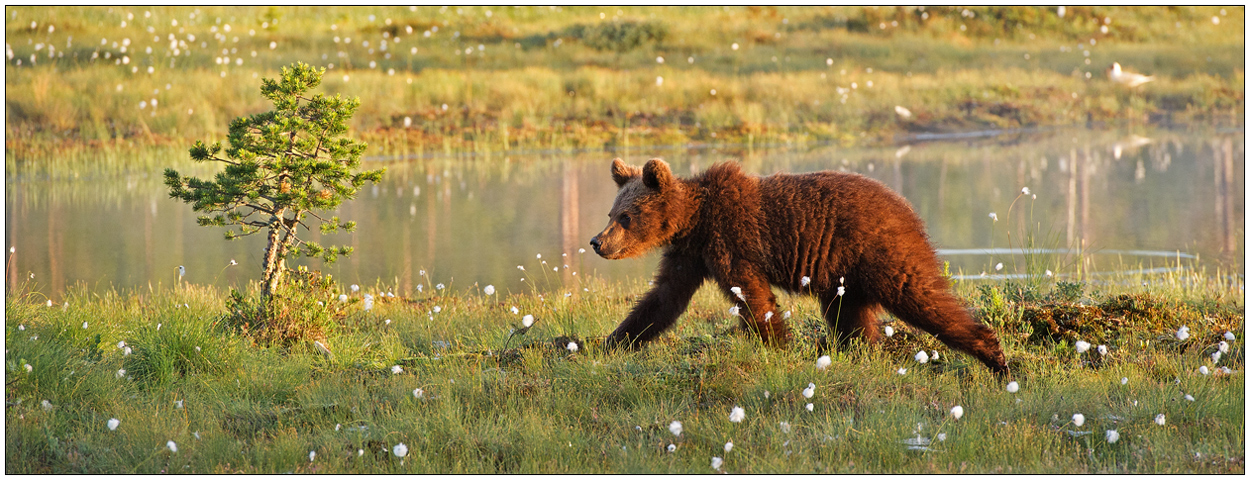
(623, 173)
(656, 174)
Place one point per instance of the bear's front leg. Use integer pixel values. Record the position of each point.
(757, 307)
(675, 283)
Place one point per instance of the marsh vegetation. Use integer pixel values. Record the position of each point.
(1098, 229)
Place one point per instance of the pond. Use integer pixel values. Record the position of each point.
(1123, 200)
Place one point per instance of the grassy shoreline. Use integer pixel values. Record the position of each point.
(542, 78)
(488, 404)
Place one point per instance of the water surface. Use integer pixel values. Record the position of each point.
(1171, 196)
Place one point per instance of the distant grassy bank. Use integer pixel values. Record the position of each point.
(438, 373)
(502, 78)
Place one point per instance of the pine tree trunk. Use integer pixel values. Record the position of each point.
(274, 254)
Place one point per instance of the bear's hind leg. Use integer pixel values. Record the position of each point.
(849, 318)
(937, 311)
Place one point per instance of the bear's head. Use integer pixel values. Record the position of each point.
(651, 207)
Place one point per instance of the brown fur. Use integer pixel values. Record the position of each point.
(754, 232)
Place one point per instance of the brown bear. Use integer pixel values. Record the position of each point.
(829, 234)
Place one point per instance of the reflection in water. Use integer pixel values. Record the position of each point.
(469, 221)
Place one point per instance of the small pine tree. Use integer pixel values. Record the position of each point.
(281, 167)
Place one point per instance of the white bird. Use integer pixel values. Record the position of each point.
(1127, 79)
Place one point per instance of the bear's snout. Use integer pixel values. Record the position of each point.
(604, 247)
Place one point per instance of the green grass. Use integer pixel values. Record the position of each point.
(790, 80)
(536, 407)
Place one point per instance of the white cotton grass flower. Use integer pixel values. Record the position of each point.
(810, 407)
(527, 321)
(729, 446)
(47, 406)
(786, 315)
(1183, 333)
(28, 368)
(803, 282)
(418, 393)
(672, 448)
(178, 404)
(121, 372)
(113, 423)
(1223, 347)
(717, 461)
(368, 302)
(84, 324)
(173, 447)
(889, 331)
(572, 346)
(1113, 436)
(121, 344)
(675, 428)
(957, 411)
(396, 369)
(1204, 370)
(1161, 419)
(737, 291)
(438, 309)
(311, 455)
(922, 357)
(515, 310)
(841, 290)
(902, 371)
(1025, 191)
(1189, 397)
(355, 288)
(1081, 346)
(737, 414)
(809, 391)
(489, 290)
(1078, 419)
(734, 310)
(933, 355)
(998, 267)
(342, 298)
(1102, 350)
(1229, 336)
(400, 450)
(1013, 387)
(994, 216)
(440, 286)
(823, 362)
(1215, 357)
(1049, 273)
(1123, 380)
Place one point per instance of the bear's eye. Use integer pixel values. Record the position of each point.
(623, 220)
